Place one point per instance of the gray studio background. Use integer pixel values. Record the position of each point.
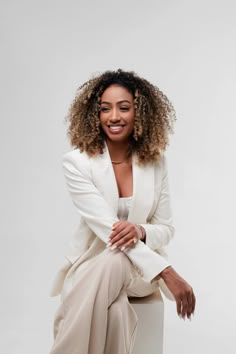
(49, 48)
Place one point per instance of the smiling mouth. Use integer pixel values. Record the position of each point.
(115, 128)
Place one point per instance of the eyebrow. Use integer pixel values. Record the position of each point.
(122, 101)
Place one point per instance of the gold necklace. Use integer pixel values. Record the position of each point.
(118, 162)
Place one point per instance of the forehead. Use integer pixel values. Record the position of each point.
(116, 93)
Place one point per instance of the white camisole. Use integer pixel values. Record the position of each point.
(124, 205)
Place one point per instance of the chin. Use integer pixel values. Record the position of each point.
(119, 139)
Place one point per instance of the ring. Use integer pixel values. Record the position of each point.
(134, 240)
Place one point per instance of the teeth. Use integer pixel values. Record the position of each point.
(117, 127)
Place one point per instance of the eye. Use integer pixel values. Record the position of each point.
(124, 109)
(104, 109)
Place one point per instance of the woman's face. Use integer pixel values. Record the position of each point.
(117, 113)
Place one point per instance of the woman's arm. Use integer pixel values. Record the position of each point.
(87, 199)
(100, 217)
(160, 230)
(91, 205)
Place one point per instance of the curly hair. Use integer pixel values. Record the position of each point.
(154, 116)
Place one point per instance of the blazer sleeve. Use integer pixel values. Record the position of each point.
(160, 229)
(91, 205)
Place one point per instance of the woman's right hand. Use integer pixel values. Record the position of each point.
(181, 290)
(124, 234)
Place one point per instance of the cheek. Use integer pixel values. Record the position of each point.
(131, 120)
(101, 118)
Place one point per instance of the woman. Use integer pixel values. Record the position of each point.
(117, 178)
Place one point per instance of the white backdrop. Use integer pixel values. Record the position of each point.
(49, 48)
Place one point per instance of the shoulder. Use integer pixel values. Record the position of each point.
(161, 164)
(75, 155)
(76, 160)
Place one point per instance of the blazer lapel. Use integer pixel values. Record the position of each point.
(143, 185)
(104, 178)
(143, 192)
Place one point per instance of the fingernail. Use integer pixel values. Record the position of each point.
(122, 248)
(190, 318)
(113, 228)
(180, 316)
(109, 244)
(113, 247)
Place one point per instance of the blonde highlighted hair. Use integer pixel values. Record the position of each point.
(154, 116)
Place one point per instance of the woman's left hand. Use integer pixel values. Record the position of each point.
(124, 234)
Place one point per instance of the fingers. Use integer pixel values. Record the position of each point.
(124, 235)
(179, 307)
(193, 303)
(182, 292)
(185, 304)
(117, 235)
(123, 242)
(184, 307)
(130, 243)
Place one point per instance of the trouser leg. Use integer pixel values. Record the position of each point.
(81, 321)
(121, 326)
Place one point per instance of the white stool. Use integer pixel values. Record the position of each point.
(150, 312)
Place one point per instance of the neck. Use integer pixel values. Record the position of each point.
(118, 151)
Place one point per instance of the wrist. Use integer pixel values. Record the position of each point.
(165, 272)
(143, 233)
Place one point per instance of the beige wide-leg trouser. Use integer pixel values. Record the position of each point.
(95, 316)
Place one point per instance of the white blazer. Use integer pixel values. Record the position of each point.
(92, 185)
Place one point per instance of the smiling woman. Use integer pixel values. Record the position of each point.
(117, 121)
(117, 178)
(154, 115)
(117, 113)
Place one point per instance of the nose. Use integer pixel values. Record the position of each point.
(115, 115)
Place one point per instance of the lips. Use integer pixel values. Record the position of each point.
(116, 128)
